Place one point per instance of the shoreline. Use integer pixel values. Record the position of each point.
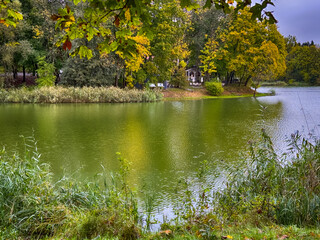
(201, 93)
(59, 94)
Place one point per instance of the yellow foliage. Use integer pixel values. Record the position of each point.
(127, 14)
(129, 80)
(209, 54)
(12, 44)
(180, 51)
(142, 51)
(37, 31)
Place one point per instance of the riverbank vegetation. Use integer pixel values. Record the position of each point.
(78, 95)
(263, 196)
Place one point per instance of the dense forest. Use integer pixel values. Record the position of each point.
(82, 44)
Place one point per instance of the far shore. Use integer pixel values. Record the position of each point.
(191, 93)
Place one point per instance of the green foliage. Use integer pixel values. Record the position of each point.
(303, 64)
(125, 19)
(208, 57)
(204, 24)
(167, 45)
(2, 81)
(97, 71)
(78, 95)
(9, 13)
(46, 77)
(247, 49)
(179, 78)
(141, 76)
(214, 88)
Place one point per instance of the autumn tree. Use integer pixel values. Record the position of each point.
(239, 50)
(203, 25)
(167, 46)
(129, 18)
(22, 46)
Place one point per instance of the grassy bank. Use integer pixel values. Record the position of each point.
(78, 95)
(230, 91)
(265, 196)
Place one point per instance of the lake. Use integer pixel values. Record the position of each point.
(164, 140)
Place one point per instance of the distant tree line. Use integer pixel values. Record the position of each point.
(59, 43)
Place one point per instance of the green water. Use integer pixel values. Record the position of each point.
(163, 140)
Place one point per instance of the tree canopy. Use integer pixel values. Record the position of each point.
(131, 42)
(118, 23)
(245, 49)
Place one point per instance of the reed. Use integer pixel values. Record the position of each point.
(282, 189)
(60, 94)
(264, 189)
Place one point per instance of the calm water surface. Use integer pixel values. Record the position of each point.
(164, 140)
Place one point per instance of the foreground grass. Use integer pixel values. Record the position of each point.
(78, 95)
(265, 196)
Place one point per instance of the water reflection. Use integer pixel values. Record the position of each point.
(162, 140)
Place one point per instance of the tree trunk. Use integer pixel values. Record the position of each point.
(231, 76)
(24, 74)
(15, 72)
(246, 83)
(116, 81)
(34, 69)
(227, 79)
(255, 88)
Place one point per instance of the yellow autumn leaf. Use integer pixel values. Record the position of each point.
(127, 14)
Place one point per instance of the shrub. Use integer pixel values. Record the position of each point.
(214, 88)
(45, 73)
(179, 78)
(94, 72)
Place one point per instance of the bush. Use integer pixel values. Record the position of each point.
(214, 88)
(45, 73)
(179, 78)
(94, 72)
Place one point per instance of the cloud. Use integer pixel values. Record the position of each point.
(299, 18)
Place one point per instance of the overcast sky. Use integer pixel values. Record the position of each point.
(300, 18)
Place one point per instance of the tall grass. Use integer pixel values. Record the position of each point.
(60, 94)
(32, 205)
(263, 188)
(283, 189)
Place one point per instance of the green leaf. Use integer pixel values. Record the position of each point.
(185, 3)
(76, 2)
(114, 46)
(91, 33)
(85, 52)
(11, 23)
(208, 4)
